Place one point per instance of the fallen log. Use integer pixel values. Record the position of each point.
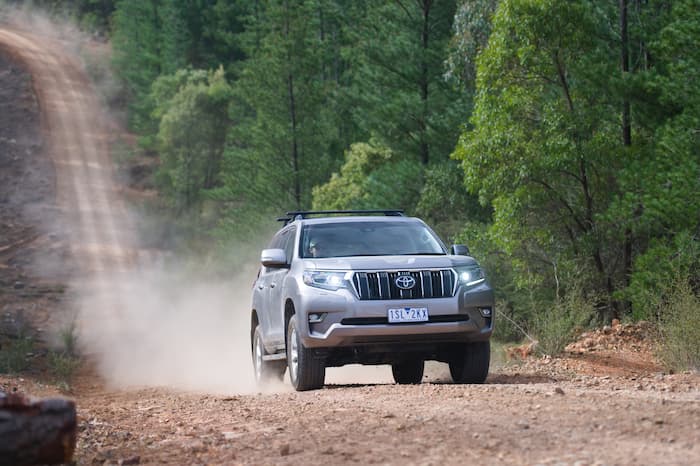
(36, 431)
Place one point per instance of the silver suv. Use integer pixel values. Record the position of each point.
(368, 287)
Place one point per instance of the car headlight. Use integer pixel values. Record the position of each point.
(326, 280)
(470, 275)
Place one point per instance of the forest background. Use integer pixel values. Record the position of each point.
(558, 139)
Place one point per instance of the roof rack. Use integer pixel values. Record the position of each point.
(301, 214)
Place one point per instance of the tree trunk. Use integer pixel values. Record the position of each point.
(36, 432)
(625, 67)
(627, 142)
(424, 85)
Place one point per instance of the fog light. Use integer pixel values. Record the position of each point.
(316, 318)
(485, 311)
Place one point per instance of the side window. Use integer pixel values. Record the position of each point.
(289, 244)
(277, 241)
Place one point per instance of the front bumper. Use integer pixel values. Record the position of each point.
(348, 321)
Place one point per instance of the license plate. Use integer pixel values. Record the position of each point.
(408, 314)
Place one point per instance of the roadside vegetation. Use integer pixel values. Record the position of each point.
(13, 356)
(557, 138)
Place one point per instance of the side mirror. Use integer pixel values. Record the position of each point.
(459, 250)
(273, 258)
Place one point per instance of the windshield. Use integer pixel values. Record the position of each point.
(346, 239)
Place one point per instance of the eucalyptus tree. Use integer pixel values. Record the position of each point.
(543, 147)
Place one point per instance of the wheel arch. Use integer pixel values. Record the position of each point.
(254, 322)
(289, 311)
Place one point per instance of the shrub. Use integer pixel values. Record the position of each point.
(62, 365)
(13, 355)
(680, 328)
(558, 325)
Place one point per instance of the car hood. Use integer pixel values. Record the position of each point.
(388, 262)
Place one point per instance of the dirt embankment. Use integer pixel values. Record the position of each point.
(606, 402)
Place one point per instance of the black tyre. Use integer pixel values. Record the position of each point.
(408, 372)
(265, 371)
(470, 362)
(307, 370)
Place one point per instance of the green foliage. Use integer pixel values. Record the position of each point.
(92, 15)
(540, 148)
(136, 43)
(372, 177)
(445, 201)
(158, 37)
(284, 111)
(192, 107)
(472, 26)
(657, 272)
(64, 361)
(680, 327)
(398, 92)
(62, 366)
(13, 354)
(569, 198)
(557, 325)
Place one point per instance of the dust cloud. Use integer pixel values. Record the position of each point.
(155, 326)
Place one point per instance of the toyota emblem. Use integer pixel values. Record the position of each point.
(405, 282)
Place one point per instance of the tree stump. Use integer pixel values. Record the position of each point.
(36, 431)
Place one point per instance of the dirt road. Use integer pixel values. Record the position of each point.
(612, 406)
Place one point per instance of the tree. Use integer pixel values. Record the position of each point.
(136, 42)
(285, 126)
(372, 177)
(569, 194)
(471, 30)
(192, 106)
(542, 147)
(398, 90)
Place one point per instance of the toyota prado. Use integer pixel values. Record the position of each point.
(367, 287)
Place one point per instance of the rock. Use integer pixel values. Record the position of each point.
(523, 425)
(284, 450)
(558, 391)
(132, 460)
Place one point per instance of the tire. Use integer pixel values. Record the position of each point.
(408, 372)
(265, 371)
(470, 362)
(307, 370)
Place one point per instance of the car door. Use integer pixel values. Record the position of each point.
(276, 295)
(262, 295)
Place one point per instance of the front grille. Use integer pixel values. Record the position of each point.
(382, 285)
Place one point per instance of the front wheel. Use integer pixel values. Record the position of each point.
(408, 372)
(470, 362)
(307, 370)
(265, 371)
